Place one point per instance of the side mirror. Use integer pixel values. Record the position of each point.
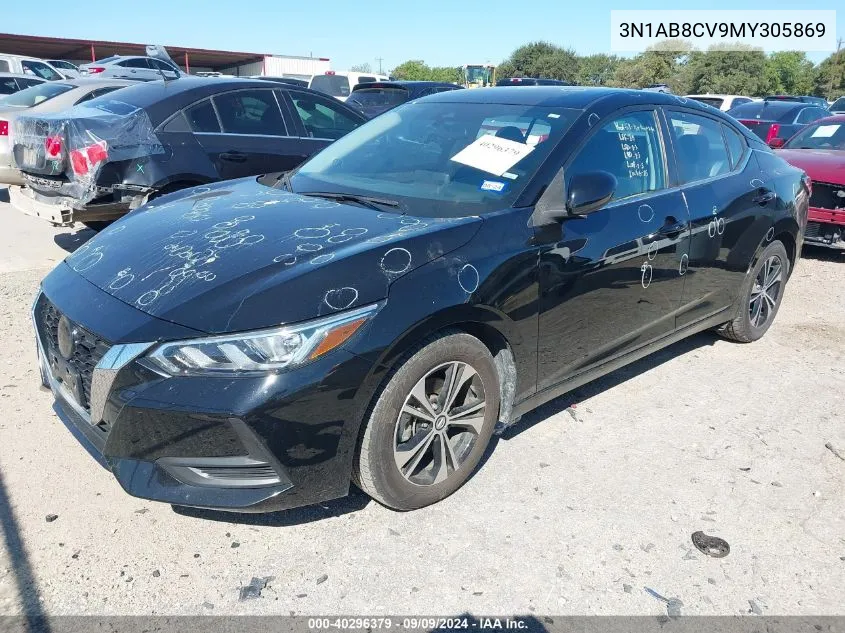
(777, 142)
(589, 192)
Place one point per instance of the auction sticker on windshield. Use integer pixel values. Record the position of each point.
(825, 131)
(493, 154)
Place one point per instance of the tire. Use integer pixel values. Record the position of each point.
(98, 225)
(750, 325)
(393, 436)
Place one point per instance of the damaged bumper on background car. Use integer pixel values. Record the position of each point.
(86, 164)
(111, 204)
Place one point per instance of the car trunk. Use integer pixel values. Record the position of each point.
(69, 156)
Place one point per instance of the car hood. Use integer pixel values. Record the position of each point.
(823, 165)
(239, 255)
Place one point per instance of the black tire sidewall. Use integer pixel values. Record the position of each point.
(752, 332)
(394, 490)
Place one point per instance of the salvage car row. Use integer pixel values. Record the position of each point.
(371, 313)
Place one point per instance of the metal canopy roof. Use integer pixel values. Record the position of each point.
(67, 48)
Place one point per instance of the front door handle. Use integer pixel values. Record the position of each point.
(672, 227)
(233, 157)
(764, 197)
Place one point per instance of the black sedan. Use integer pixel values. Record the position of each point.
(373, 98)
(775, 120)
(456, 262)
(94, 163)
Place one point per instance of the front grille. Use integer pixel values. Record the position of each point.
(827, 196)
(87, 351)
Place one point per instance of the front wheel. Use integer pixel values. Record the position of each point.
(761, 296)
(430, 425)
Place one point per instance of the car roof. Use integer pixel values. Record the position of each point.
(717, 96)
(86, 82)
(836, 118)
(162, 98)
(776, 107)
(22, 76)
(578, 97)
(401, 82)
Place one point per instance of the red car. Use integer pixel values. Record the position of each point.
(819, 149)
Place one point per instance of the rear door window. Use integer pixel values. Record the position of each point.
(8, 85)
(808, 115)
(134, 62)
(735, 143)
(699, 146)
(322, 118)
(40, 69)
(250, 112)
(202, 118)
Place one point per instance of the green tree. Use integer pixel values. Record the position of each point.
(726, 69)
(830, 76)
(658, 64)
(790, 72)
(541, 59)
(597, 70)
(412, 70)
(361, 68)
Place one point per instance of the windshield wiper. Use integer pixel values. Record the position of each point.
(367, 201)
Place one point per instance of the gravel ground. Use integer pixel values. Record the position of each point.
(580, 509)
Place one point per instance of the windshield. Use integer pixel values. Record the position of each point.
(819, 136)
(384, 97)
(334, 85)
(440, 159)
(36, 94)
(106, 60)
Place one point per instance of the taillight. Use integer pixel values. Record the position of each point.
(4, 128)
(83, 160)
(95, 69)
(53, 145)
(773, 132)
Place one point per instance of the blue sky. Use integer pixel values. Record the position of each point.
(441, 32)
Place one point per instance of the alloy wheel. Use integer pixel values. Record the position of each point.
(439, 423)
(766, 291)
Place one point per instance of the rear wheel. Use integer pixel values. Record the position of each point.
(761, 296)
(430, 424)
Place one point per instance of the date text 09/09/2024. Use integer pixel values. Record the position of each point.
(418, 623)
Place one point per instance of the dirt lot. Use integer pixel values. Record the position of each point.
(580, 509)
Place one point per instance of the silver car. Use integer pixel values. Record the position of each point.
(11, 83)
(50, 96)
(71, 71)
(138, 68)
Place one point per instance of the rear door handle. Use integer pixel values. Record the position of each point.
(234, 157)
(765, 197)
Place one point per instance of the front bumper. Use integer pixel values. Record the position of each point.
(239, 444)
(826, 227)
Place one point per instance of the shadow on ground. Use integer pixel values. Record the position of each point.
(74, 239)
(357, 500)
(34, 620)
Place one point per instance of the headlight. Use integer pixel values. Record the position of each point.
(259, 352)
